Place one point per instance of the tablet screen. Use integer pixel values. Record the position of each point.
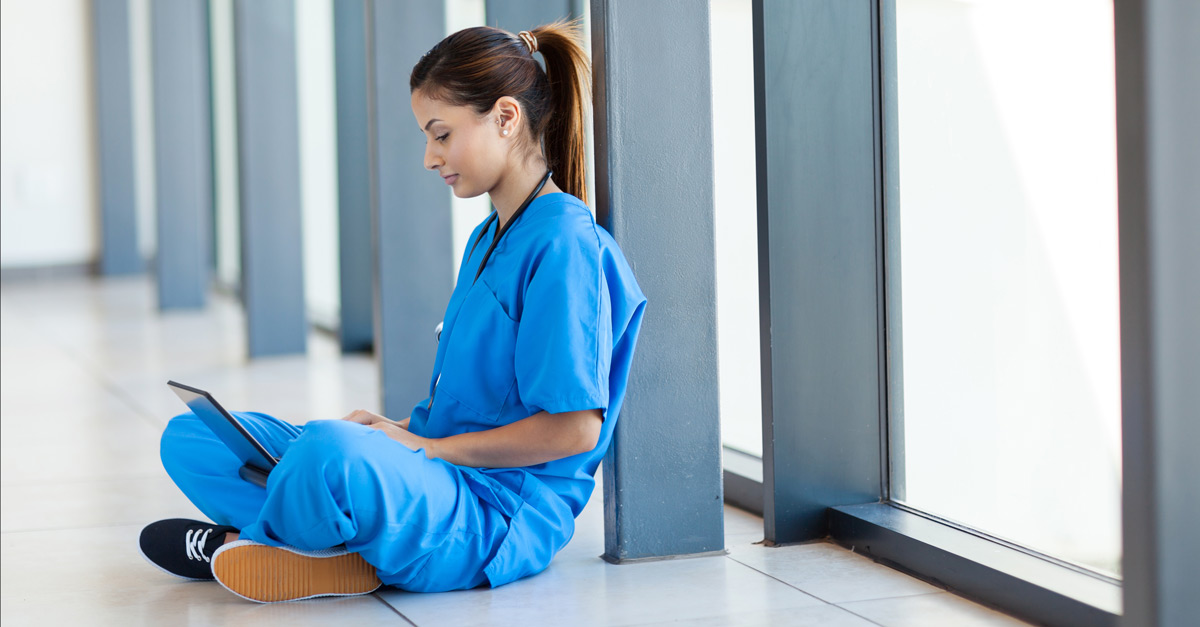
(225, 426)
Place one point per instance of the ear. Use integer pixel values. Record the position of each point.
(508, 115)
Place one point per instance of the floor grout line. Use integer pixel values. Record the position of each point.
(94, 370)
(393, 608)
(798, 589)
(852, 612)
(898, 596)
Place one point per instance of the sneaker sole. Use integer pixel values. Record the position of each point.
(268, 574)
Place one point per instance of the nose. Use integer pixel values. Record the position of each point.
(432, 160)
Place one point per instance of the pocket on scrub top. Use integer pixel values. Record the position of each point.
(478, 369)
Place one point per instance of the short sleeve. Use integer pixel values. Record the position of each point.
(564, 337)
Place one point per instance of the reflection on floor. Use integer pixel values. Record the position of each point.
(84, 362)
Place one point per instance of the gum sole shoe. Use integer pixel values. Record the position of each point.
(268, 574)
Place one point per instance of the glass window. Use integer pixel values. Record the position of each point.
(736, 225)
(1008, 419)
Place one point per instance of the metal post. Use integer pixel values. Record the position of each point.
(414, 259)
(1158, 154)
(357, 331)
(182, 147)
(269, 177)
(819, 200)
(119, 252)
(654, 168)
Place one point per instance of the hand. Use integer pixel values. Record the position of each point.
(401, 434)
(364, 417)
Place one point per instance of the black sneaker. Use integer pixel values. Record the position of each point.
(182, 547)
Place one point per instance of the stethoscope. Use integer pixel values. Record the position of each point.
(495, 240)
(504, 229)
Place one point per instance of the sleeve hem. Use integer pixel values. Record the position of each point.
(574, 403)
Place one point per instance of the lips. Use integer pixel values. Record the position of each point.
(450, 179)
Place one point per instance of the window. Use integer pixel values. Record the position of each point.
(1005, 385)
(736, 226)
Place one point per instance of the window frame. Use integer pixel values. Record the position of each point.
(995, 572)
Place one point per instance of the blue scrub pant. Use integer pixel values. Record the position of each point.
(425, 525)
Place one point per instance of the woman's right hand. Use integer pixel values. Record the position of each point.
(364, 417)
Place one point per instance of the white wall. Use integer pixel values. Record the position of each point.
(143, 125)
(48, 187)
(466, 213)
(225, 162)
(318, 160)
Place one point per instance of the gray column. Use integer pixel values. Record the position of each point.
(413, 248)
(269, 177)
(357, 331)
(515, 16)
(1158, 156)
(119, 252)
(654, 187)
(819, 202)
(182, 150)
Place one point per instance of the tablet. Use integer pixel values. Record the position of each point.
(257, 462)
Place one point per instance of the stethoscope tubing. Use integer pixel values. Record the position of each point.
(508, 225)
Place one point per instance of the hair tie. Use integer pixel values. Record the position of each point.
(529, 39)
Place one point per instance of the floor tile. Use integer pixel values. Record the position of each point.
(75, 504)
(742, 527)
(50, 377)
(930, 610)
(579, 588)
(829, 572)
(815, 616)
(589, 591)
(295, 388)
(97, 577)
(76, 448)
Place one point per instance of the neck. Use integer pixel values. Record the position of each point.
(514, 189)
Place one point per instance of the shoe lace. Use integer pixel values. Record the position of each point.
(194, 543)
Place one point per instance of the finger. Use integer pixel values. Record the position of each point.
(359, 416)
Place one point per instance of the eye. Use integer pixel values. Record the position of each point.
(442, 137)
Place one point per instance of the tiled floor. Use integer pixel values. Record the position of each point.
(83, 366)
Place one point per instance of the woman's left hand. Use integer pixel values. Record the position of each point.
(402, 435)
(364, 417)
(537, 439)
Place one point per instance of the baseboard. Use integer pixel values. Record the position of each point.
(49, 271)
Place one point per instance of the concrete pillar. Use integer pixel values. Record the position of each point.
(269, 177)
(654, 169)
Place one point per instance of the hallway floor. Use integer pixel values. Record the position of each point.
(84, 364)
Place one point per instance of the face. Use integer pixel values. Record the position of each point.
(466, 149)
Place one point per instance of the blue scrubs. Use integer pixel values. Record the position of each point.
(551, 324)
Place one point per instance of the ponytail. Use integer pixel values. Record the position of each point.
(569, 73)
(477, 66)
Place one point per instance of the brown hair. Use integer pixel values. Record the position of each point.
(475, 67)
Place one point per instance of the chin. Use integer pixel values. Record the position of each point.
(465, 193)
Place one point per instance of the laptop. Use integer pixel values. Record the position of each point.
(257, 462)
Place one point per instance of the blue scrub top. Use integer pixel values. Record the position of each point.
(551, 324)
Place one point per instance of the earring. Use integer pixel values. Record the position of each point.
(504, 132)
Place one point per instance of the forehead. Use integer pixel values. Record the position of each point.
(426, 109)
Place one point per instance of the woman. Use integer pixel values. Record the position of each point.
(481, 484)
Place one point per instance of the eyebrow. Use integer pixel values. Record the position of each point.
(430, 123)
